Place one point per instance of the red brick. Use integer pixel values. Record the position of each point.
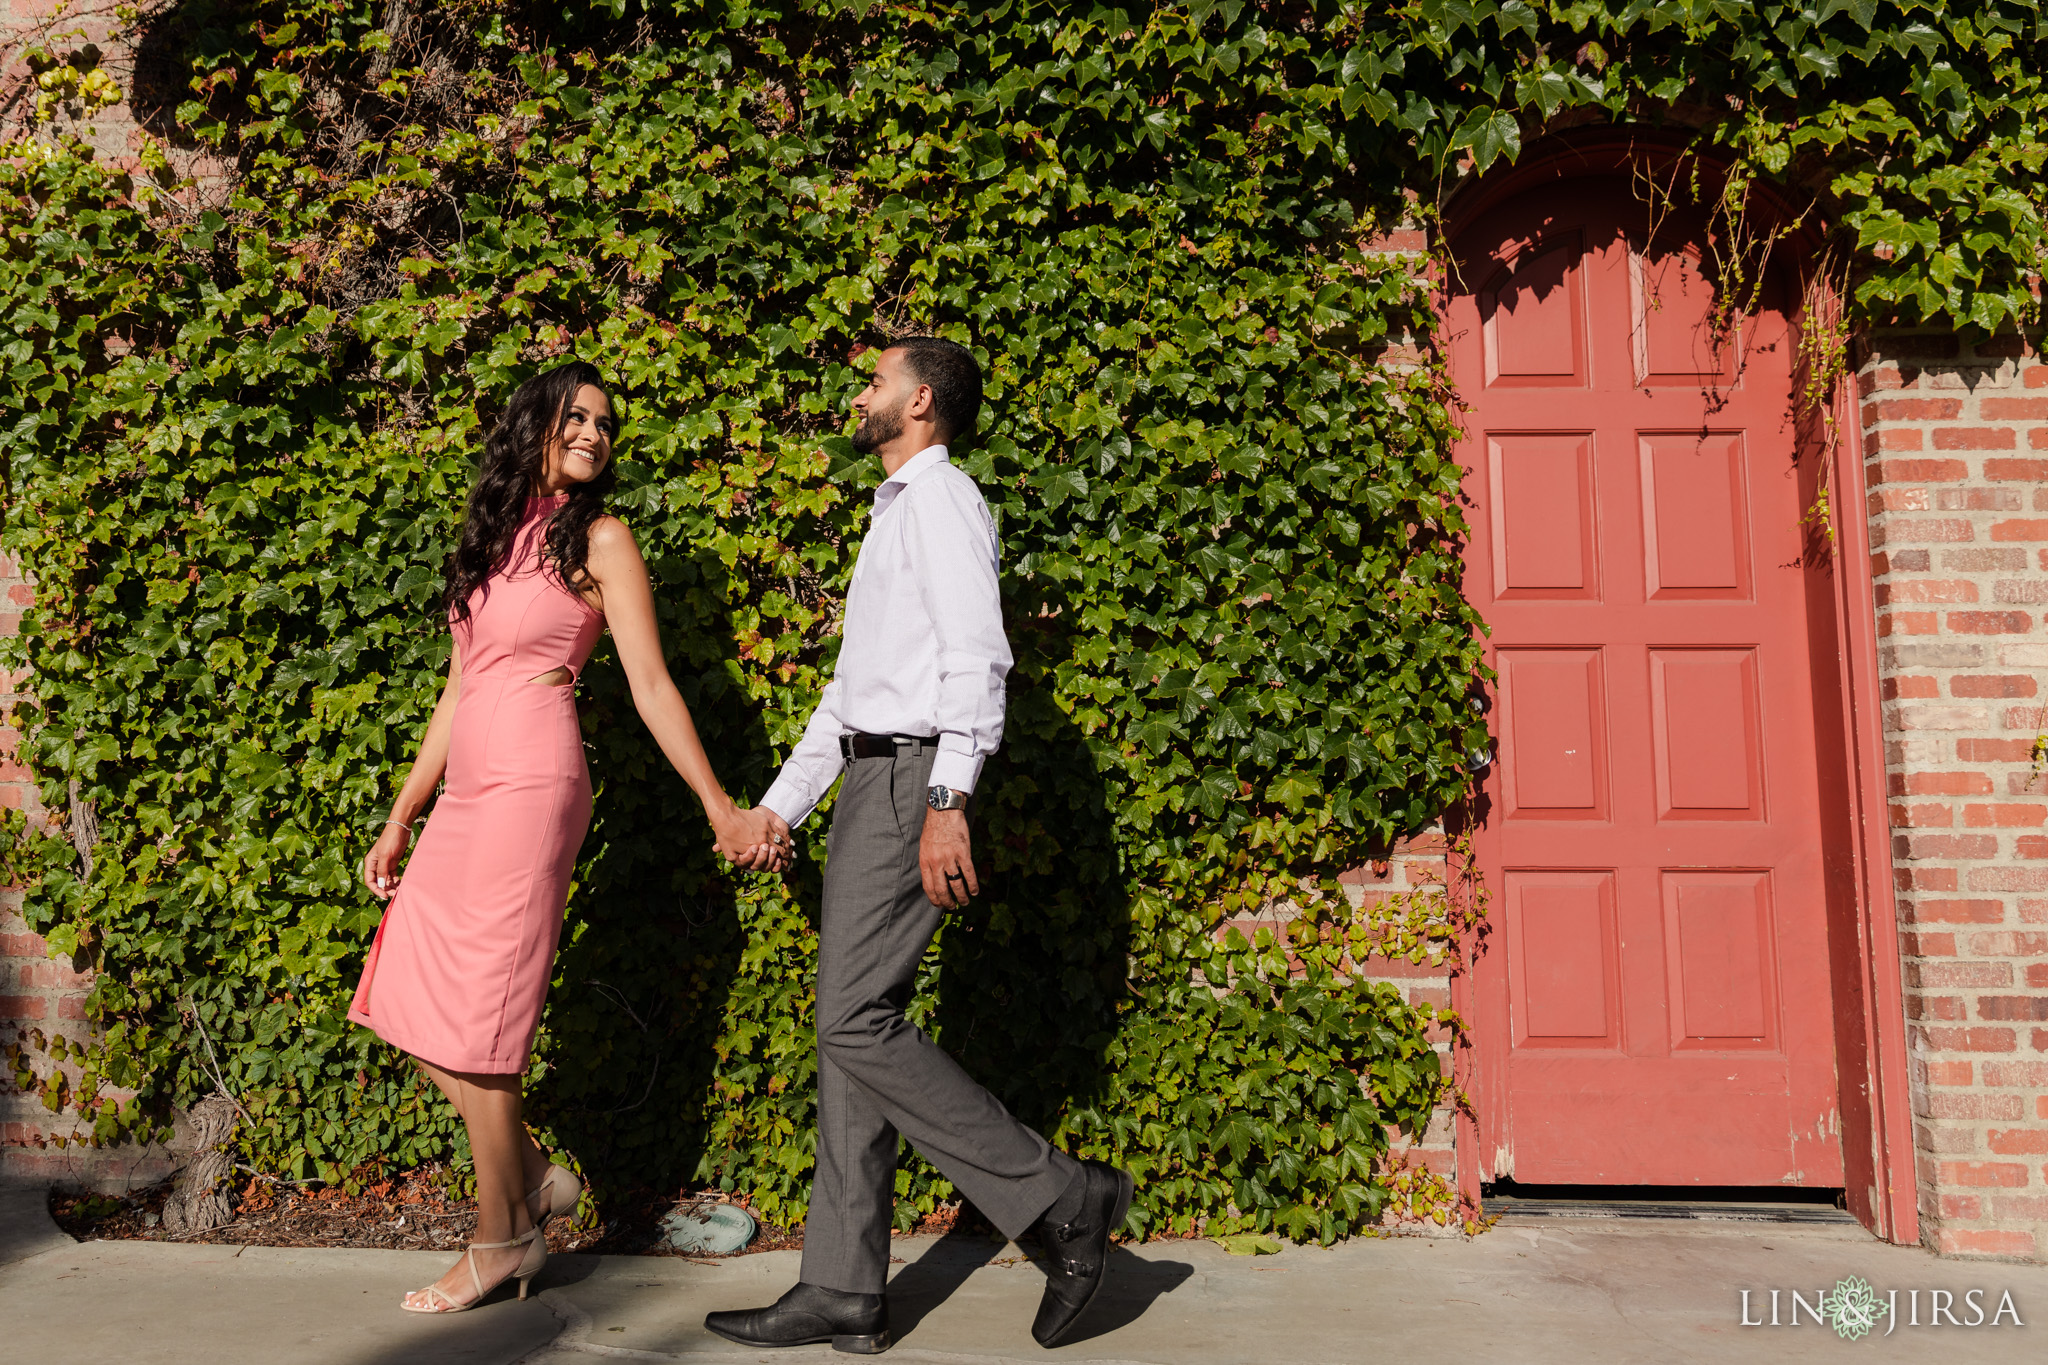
(1964, 1104)
(2032, 1075)
(2014, 1208)
(1399, 240)
(1959, 912)
(1935, 975)
(1983, 1242)
(2012, 1007)
(1956, 1073)
(2004, 816)
(1919, 471)
(1992, 685)
(1973, 438)
(1926, 815)
(1977, 500)
(24, 1007)
(2009, 944)
(1924, 944)
(2009, 878)
(1953, 846)
(1933, 531)
(1928, 878)
(2020, 528)
(1994, 750)
(1910, 689)
(1900, 438)
(1966, 1207)
(1972, 1039)
(1978, 558)
(1947, 784)
(71, 1007)
(1381, 969)
(2017, 1141)
(1931, 346)
(2036, 377)
(2030, 591)
(1908, 623)
(1990, 622)
(1927, 590)
(1980, 1173)
(1884, 377)
(1947, 1009)
(1915, 409)
(2018, 471)
(2013, 409)
(1916, 561)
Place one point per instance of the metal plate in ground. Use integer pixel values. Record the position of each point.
(1701, 1211)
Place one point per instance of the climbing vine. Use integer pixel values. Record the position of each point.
(248, 373)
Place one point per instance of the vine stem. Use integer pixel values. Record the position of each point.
(213, 1062)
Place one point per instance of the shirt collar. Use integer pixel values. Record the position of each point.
(905, 473)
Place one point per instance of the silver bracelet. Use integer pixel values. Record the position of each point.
(408, 828)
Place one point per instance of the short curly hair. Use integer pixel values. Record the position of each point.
(954, 377)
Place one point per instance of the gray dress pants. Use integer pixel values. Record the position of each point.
(878, 1076)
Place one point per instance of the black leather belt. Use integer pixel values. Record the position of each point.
(885, 746)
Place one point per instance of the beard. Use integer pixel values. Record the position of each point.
(877, 429)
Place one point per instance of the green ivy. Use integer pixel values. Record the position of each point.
(241, 418)
(239, 446)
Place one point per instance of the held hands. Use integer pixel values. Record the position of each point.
(381, 863)
(756, 840)
(946, 860)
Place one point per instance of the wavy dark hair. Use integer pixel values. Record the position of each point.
(514, 456)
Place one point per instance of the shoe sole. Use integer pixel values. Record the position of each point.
(1126, 1189)
(870, 1344)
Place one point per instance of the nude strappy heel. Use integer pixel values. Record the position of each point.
(556, 1194)
(529, 1265)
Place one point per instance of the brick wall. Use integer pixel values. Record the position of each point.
(1415, 865)
(1956, 452)
(42, 997)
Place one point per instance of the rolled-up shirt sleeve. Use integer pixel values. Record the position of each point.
(951, 544)
(813, 766)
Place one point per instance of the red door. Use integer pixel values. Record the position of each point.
(1653, 1005)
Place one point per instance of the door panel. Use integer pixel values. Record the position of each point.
(1658, 993)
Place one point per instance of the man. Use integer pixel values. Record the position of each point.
(914, 709)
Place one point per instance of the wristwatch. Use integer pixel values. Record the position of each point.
(945, 798)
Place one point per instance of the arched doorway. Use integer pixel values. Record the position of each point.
(1678, 987)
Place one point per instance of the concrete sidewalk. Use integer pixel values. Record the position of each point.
(1531, 1292)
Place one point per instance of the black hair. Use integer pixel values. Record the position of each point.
(954, 377)
(514, 457)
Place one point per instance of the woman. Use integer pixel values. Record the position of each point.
(461, 963)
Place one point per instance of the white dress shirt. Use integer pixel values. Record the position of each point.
(923, 650)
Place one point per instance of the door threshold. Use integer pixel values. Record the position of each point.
(1677, 1203)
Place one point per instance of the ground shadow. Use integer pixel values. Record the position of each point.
(1130, 1287)
(934, 1277)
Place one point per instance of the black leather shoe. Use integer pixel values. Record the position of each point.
(1077, 1253)
(855, 1323)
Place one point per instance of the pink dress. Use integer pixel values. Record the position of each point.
(461, 963)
